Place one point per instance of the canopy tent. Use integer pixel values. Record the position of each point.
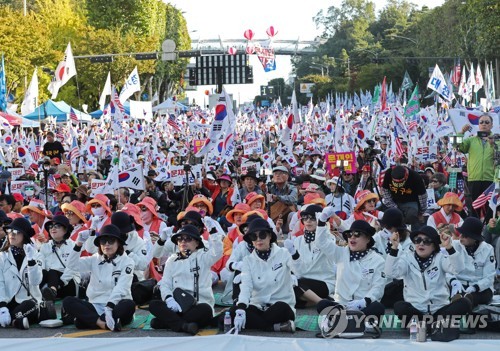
(60, 110)
(16, 120)
(98, 113)
(170, 104)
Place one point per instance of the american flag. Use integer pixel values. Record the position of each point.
(399, 145)
(461, 192)
(52, 182)
(484, 197)
(75, 150)
(455, 79)
(73, 116)
(171, 122)
(381, 176)
(447, 158)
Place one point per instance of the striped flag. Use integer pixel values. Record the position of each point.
(72, 116)
(399, 145)
(52, 182)
(484, 197)
(171, 122)
(494, 200)
(75, 150)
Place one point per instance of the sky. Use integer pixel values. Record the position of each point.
(230, 18)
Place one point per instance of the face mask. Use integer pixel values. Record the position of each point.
(100, 211)
(29, 193)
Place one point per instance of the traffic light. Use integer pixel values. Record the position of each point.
(147, 56)
(101, 59)
(249, 74)
(192, 77)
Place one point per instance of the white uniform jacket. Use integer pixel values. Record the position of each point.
(263, 283)
(479, 270)
(136, 248)
(180, 273)
(426, 291)
(109, 281)
(22, 284)
(382, 238)
(355, 279)
(50, 260)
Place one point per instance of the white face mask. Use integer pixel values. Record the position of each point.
(29, 193)
(99, 211)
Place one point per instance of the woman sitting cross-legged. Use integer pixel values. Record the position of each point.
(187, 273)
(110, 304)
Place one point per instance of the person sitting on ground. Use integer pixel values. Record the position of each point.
(448, 214)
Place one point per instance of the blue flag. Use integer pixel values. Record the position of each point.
(3, 87)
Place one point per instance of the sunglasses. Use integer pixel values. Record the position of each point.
(260, 235)
(185, 238)
(353, 234)
(419, 240)
(12, 231)
(484, 122)
(56, 226)
(143, 208)
(372, 200)
(307, 218)
(95, 205)
(69, 213)
(104, 241)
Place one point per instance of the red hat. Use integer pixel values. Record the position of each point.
(63, 188)
(18, 197)
(363, 196)
(150, 204)
(77, 207)
(57, 176)
(100, 199)
(133, 210)
(253, 196)
(239, 208)
(57, 161)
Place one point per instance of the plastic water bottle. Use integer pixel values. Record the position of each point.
(413, 330)
(227, 322)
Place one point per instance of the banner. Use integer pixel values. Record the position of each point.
(178, 175)
(96, 185)
(253, 146)
(141, 110)
(16, 172)
(16, 186)
(247, 166)
(331, 161)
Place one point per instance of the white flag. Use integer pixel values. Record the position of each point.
(31, 97)
(438, 84)
(64, 71)
(132, 84)
(105, 92)
(479, 78)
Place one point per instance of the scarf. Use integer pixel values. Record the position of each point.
(107, 259)
(18, 253)
(180, 256)
(309, 236)
(472, 249)
(264, 255)
(423, 263)
(357, 255)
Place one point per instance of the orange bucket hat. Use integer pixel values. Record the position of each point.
(134, 211)
(450, 198)
(100, 199)
(37, 206)
(258, 212)
(314, 198)
(203, 199)
(253, 196)
(362, 197)
(77, 207)
(239, 208)
(150, 204)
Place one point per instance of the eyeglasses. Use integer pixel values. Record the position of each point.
(307, 218)
(143, 208)
(69, 213)
(372, 200)
(419, 240)
(353, 234)
(107, 240)
(95, 205)
(12, 231)
(484, 122)
(260, 235)
(185, 238)
(56, 226)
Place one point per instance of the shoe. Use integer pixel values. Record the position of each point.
(286, 327)
(118, 325)
(49, 294)
(156, 324)
(22, 323)
(190, 328)
(50, 310)
(66, 318)
(78, 324)
(372, 329)
(456, 297)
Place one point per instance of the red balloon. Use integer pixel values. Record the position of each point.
(250, 49)
(248, 34)
(271, 31)
(207, 92)
(232, 51)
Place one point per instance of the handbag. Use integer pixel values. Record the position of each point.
(445, 330)
(184, 299)
(142, 291)
(280, 208)
(346, 324)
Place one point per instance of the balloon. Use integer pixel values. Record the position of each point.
(250, 49)
(248, 34)
(232, 51)
(271, 31)
(207, 92)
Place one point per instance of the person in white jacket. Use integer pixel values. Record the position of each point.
(266, 300)
(187, 272)
(59, 280)
(360, 269)
(314, 269)
(110, 305)
(424, 274)
(20, 277)
(476, 280)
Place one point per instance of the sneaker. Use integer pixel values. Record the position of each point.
(190, 328)
(22, 323)
(286, 327)
(156, 324)
(49, 294)
(66, 318)
(79, 324)
(118, 325)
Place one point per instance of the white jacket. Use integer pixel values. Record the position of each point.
(479, 270)
(355, 279)
(109, 282)
(314, 263)
(381, 242)
(136, 248)
(10, 279)
(50, 260)
(426, 291)
(179, 273)
(263, 283)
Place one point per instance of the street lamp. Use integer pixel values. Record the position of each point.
(369, 51)
(321, 68)
(46, 169)
(402, 37)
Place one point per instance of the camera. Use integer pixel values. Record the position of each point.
(187, 168)
(482, 134)
(370, 151)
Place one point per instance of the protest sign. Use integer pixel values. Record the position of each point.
(253, 146)
(15, 172)
(96, 185)
(16, 186)
(331, 161)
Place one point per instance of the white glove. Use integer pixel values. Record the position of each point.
(471, 289)
(29, 250)
(326, 214)
(295, 281)
(237, 279)
(288, 244)
(166, 233)
(83, 236)
(237, 266)
(240, 319)
(209, 223)
(110, 321)
(456, 287)
(356, 305)
(173, 305)
(4, 317)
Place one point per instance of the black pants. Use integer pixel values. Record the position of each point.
(200, 314)
(28, 309)
(374, 310)
(406, 312)
(264, 320)
(480, 298)
(393, 292)
(53, 279)
(318, 287)
(476, 188)
(87, 316)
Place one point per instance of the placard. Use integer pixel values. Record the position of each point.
(16, 186)
(253, 146)
(331, 161)
(16, 172)
(96, 185)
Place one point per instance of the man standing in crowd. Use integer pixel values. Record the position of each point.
(53, 149)
(249, 184)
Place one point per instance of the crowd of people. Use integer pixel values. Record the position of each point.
(301, 236)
